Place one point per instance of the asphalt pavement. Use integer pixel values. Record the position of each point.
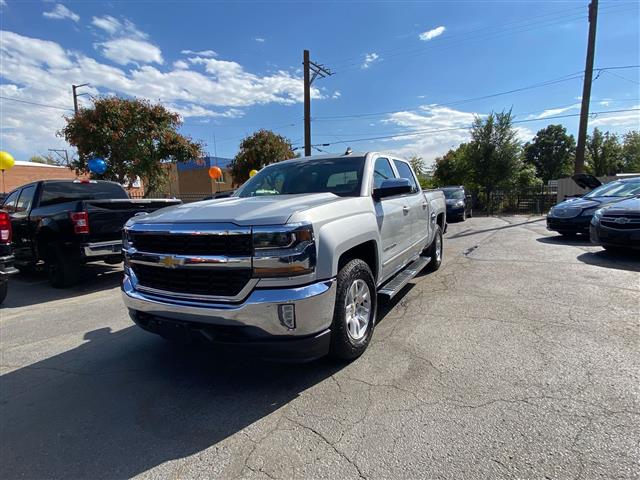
(519, 358)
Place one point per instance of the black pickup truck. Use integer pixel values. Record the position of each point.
(67, 223)
(6, 254)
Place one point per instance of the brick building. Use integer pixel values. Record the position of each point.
(191, 179)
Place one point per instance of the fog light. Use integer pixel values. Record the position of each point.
(287, 315)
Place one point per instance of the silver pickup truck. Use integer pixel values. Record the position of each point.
(292, 265)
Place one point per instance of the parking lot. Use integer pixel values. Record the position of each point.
(518, 358)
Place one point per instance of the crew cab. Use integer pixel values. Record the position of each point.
(6, 254)
(574, 215)
(292, 264)
(66, 223)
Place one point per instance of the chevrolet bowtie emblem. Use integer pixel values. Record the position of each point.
(622, 220)
(170, 261)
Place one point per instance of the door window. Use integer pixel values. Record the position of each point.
(404, 170)
(381, 171)
(10, 202)
(26, 198)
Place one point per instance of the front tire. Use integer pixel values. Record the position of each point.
(435, 251)
(354, 312)
(62, 270)
(4, 287)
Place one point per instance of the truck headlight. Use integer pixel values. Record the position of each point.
(283, 251)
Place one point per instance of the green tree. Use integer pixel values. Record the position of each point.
(604, 153)
(631, 152)
(417, 163)
(133, 136)
(258, 150)
(453, 168)
(551, 152)
(493, 154)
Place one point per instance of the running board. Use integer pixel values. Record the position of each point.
(397, 283)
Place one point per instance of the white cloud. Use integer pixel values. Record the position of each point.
(107, 23)
(623, 120)
(370, 58)
(196, 87)
(130, 50)
(3, 3)
(259, 40)
(605, 102)
(181, 64)
(431, 34)
(336, 95)
(554, 111)
(60, 12)
(201, 53)
(446, 128)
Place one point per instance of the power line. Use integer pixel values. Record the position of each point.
(497, 32)
(565, 78)
(422, 132)
(36, 103)
(623, 78)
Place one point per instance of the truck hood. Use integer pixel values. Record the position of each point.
(267, 210)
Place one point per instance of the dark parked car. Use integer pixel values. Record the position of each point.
(67, 223)
(617, 226)
(458, 203)
(6, 254)
(224, 194)
(573, 216)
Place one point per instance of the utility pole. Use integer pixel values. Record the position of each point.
(586, 88)
(75, 96)
(318, 70)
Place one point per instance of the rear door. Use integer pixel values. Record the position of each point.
(418, 217)
(20, 223)
(391, 220)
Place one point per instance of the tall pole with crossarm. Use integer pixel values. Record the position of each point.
(311, 71)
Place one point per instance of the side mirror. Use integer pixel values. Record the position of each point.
(392, 187)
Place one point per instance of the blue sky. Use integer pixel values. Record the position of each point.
(400, 67)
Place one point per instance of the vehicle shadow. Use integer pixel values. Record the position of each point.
(31, 288)
(469, 232)
(577, 241)
(620, 261)
(125, 402)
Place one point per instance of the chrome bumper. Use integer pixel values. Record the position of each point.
(314, 305)
(102, 249)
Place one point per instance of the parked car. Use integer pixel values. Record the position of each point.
(66, 223)
(291, 264)
(224, 194)
(617, 227)
(6, 254)
(574, 215)
(458, 203)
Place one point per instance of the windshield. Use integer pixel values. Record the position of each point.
(341, 176)
(60, 192)
(615, 189)
(456, 194)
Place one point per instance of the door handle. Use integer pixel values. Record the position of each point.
(406, 209)
(424, 206)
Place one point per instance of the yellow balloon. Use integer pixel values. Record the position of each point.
(253, 172)
(6, 161)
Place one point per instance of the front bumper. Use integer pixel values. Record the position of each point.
(601, 235)
(255, 322)
(579, 224)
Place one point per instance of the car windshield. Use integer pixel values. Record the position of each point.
(615, 189)
(341, 176)
(456, 194)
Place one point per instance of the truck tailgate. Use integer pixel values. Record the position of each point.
(107, 217)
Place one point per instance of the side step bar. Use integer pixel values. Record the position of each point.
(397, 283)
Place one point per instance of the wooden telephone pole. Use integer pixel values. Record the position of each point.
(311, 71)
(586, 89)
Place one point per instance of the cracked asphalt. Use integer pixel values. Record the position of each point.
(519, 358)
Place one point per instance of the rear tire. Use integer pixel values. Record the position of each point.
(435, 251)
(354, 313)
(63, 269)
(4, 287)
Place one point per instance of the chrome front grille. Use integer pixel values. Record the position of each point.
(192, 261)
(621, 222)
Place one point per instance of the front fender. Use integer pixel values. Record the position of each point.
(336, 237)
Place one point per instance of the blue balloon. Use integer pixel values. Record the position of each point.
(97, 165)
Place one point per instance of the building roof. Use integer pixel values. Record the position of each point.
(26, 163)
